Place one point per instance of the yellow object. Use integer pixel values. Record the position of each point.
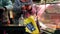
(30, 20)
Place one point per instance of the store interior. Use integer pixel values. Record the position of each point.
(48, 17)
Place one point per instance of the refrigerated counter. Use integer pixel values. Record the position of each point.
(12, 29)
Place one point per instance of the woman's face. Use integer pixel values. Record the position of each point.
(28, 7)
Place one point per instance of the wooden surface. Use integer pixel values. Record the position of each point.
(53, 26)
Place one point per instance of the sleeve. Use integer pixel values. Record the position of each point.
(16, 6)
(33, 11)
(9, 5)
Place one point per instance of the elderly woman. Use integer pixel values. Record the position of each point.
(20, 5)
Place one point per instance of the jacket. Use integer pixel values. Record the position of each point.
(6, 3)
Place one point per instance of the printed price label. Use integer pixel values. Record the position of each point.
(30, 27)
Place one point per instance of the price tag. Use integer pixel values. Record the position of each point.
(30, 27)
